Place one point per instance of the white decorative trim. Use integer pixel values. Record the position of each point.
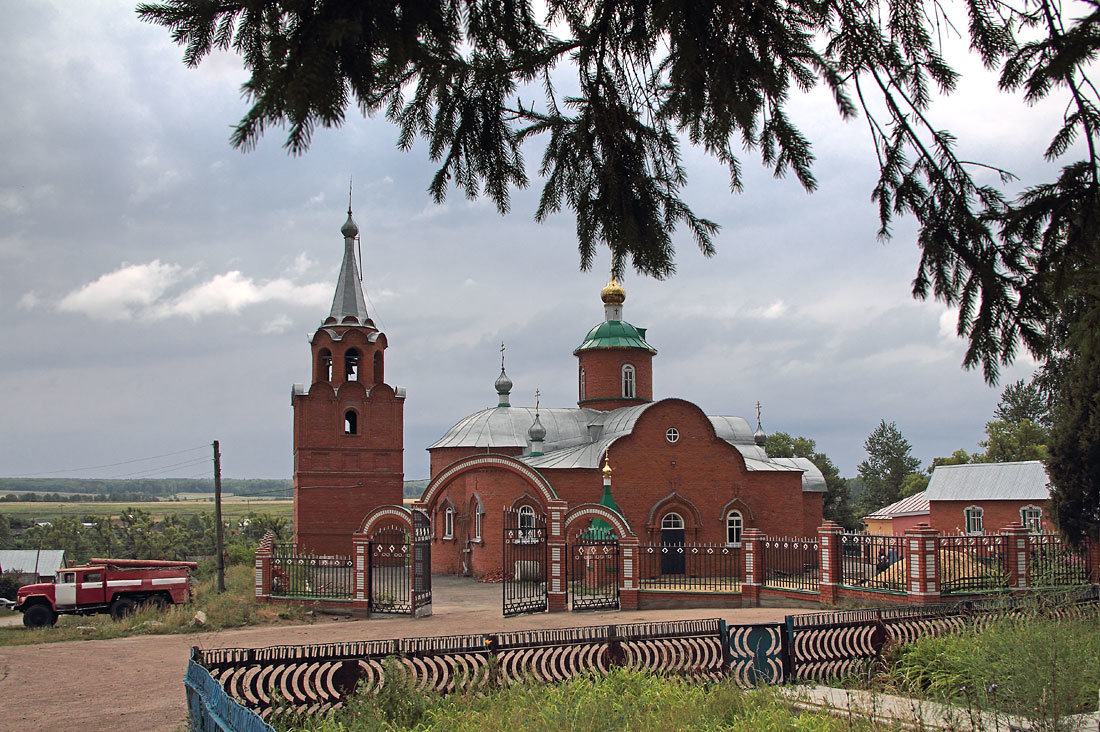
(539, 482)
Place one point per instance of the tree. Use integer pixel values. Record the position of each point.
(959, 457)
(1022, 400)
(888, 464)
(912, 484)
(7, 541)
(1008, 442)
(836, 505)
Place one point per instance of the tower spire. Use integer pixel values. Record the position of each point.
(348, 304)
(503, 384)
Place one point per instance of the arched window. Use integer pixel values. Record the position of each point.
(351, 422)
(734, 525)
(478, 513)
(672, 521)
(324, 366)
(448, 523)
(351, 364)
(628, 381)
(582, 383)
(1032, 517)
(973, 515)
(526, 523)
(378, 368)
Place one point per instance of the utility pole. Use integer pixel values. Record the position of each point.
(219, 538)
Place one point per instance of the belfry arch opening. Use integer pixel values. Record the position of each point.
(351, 364)
(351, 422)
(323, 368)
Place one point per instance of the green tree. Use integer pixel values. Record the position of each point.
(888, 464)
(913, 484)
(7, 541)
(959, 457)
(836, 504)
(1022, 400)
(1008, 442)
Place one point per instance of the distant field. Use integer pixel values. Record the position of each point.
(234, 508)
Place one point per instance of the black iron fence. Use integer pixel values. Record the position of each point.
(690, 567)
(328, 577)
(593, 572)
(1052, 563)
(389, 572)
(970, 564)
(791, 564)
(877, 563)
(525, 562)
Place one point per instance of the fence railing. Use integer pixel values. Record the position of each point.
(791, 564)
(1052, 563)
(877, 563)
(316, 678)
(970, 564)
(690, 567)
(326, 577)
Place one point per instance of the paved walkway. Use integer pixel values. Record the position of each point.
(918, 714)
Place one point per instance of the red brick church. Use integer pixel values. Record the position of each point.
(680, 475)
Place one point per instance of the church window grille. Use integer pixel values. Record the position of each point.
(628, 381)
(973, 515)
(526, 523)
(734, 526)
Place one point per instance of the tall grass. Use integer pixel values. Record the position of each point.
(1031, 666)
(622, 701)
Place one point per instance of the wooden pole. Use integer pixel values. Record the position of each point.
(219, 538)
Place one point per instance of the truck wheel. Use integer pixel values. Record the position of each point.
(39, 616)
(121, 607)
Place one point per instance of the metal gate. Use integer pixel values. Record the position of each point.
(525, 565)
(421, 563)
(390, 572)
(594, 573)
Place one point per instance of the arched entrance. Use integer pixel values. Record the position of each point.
(393, 561)
(593, 567)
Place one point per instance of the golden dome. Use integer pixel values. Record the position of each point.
(613, 294)
(606, 465)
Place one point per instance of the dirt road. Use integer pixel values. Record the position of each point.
(137, 683)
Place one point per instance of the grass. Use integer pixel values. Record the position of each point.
(1031, 666)
(231, 509)
(623, 700)
(235, 608)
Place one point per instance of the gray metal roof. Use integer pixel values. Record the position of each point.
(1022, 481)
(914, 505)
(27, 561)
(812, 479)
(507, 427)
(348, 301)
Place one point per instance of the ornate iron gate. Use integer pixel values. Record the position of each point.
(390, 572)
(594, 573)
(525, 566)
(421, 562)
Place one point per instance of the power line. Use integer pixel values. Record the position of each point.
(161, 469)
(113, 465)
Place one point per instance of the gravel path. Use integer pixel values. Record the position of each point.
(136, 683)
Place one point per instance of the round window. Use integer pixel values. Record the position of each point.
(672, 435)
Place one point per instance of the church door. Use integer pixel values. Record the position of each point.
(672, 544)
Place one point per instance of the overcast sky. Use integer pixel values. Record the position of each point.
(157, 286)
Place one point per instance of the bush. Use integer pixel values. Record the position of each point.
(9, 585)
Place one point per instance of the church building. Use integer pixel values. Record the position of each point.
(680, 476)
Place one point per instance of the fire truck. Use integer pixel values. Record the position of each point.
(116, 586)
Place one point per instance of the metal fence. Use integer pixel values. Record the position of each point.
(971, 564)
(690, 567)
(877, 563)
(210, 708)
(791, 564)
(329, 577)
(1052, 563)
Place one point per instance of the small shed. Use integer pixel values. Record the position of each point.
(895, 519)
(32, 565)
(982, 498)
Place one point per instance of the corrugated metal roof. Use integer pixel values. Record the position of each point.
(1022, 481)
(914, 505)
(46, 561)
(614, 334)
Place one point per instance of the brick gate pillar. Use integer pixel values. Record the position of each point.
(265, 554)
(831, 553)
(753, 550)
(628, 573)
(360, 590)
(556, 599)
(923, 583)
(1016, 552)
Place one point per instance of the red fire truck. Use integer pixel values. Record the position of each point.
(116, 586)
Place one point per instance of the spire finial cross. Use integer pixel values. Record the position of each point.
(757, 412)
(502, 355)
(538, 394)
(349, 194)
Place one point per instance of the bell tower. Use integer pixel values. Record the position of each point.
(348, 424)
(614, 364)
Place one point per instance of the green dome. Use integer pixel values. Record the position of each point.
(614, 334)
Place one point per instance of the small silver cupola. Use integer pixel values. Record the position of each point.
(503, 384)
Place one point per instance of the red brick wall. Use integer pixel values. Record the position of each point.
(441, 457)
(947, 516)
(339, 478)
(603, 377)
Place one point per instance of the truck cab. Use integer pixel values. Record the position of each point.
(80, 586)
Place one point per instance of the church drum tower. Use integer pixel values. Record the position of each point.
(348, 425)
